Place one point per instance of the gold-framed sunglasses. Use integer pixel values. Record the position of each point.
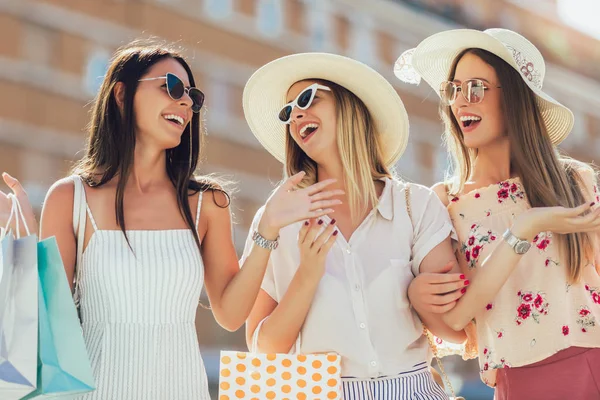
(472, 90)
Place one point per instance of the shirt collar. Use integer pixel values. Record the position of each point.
(386, 201)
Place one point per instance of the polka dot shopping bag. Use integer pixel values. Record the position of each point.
(256, 376)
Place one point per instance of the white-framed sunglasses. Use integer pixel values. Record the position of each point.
(472, 90)
(176, 89)
(303, 101)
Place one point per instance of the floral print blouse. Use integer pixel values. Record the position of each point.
(537, 312)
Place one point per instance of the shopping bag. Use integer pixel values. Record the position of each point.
(63, 363)
(18, 311)
(279, 376)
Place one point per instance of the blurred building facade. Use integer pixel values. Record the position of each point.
(54, 52)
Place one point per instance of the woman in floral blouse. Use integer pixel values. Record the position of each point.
(525, 217)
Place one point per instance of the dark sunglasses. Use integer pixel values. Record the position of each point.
(472, 90)
(176, 89)
(303, 101)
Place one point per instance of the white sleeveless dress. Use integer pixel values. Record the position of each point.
(138, 313)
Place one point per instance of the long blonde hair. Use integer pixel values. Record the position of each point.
(360, 150)
(549, 179)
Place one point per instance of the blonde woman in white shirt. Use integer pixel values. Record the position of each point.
(340, 282)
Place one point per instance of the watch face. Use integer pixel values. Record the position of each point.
(522, 247)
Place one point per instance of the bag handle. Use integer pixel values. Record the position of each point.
(15, 212)
(426, 331)
(254, 347)
(79, 221)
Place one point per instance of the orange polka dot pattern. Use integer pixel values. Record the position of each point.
(279, 376)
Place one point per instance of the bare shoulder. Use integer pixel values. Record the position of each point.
(215, 205)
(61, 193)
(441, 191)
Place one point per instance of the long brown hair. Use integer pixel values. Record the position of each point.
(549, 179)
(112, 138)
(360, 150)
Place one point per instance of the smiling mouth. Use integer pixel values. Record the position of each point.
(176, 119)
(469, 121)
(307, 130)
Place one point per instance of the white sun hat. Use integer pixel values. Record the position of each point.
(433, 58)
(266, 90)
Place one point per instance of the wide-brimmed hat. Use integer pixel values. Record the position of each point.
(433, 58)
(266, 90)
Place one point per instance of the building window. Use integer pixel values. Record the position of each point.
(362, 39)
(319, 24)
(269, 17)
(218, 9)
(95, 70)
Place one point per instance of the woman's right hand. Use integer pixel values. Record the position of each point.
(314, 243)
(6, 206)
(562, 220)
(289, 204)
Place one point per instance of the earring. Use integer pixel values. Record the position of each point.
(191, 147)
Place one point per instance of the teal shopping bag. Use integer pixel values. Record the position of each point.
(63, 363)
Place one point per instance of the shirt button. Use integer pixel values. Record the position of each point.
(362, 325)
(348, 251)
(357, 287)
(373, 363)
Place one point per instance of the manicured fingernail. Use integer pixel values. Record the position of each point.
(320, 222)
(463, 290)
(333, 221)
(462, 277)
(335, 233)
(306, 223)
(466, 282)
(592, 205)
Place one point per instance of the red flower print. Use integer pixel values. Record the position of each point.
(596, 297)
(485, 351)
(500, 334)
(519, 293)
(471, 240)
(535, 239)
(473, 226)
(505, 184)
(583, 330)
(543, 244)
(538, 301)
(565, 330)
(532, 305)
(476, 251)
(489, 307)
(513, 188)
(468, 256)
(586, 319)
(454, 199)
(486, 367)
(595, 293)
(438, 340)
(502, 194)
(492, 237)
(587, 287)
(477, 195)
(584, 312)
(524, 311)
(547, 262)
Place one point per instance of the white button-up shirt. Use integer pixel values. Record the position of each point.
(361, 309)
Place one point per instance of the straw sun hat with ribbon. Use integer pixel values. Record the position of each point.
(433, 58)
(266, 90)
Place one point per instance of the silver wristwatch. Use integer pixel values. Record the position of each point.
(519, 246)
(265, 243)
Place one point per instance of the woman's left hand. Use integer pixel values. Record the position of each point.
(289, 204)
(437, 292)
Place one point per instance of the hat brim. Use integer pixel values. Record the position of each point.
(433, 58)
(266, 90)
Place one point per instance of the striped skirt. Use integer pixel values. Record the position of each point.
(417, 384)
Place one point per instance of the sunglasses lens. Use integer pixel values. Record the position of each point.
(474, 91)
(285, 113)
(174, 87)
(447, 93)
(197, 98)
(304, 98)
